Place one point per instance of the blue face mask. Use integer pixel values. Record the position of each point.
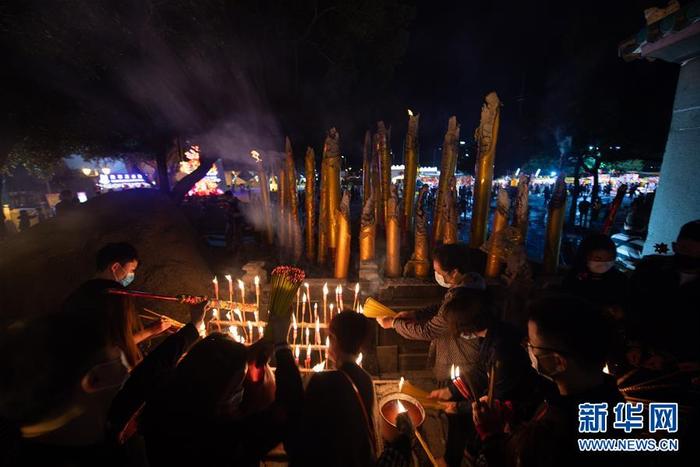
(128, 279)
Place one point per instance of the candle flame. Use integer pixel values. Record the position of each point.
(325, 289)
(303, 298)
(214, 313)
(228, 277)
(359, 359)
(357, 288)
(256, 155)
(401, 381)
(328, 342)
(215, 280)
(237, 312)
(250, 326)
(260, 330)
(331, 307)
(234, 332)
(308, 349)
(318, 324)
(228, 316)
(401, 407)
(452, 372)
(307, 333)
(202, 329)
(410, 113)
(296, 352)
(241, 285)
(294, 322)
(606, 370)
(257, 280)
(457, 373)
(319, 367)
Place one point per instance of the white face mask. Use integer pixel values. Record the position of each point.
(600, 267)
(441, 282)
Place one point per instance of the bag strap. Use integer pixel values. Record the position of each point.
(368, 421)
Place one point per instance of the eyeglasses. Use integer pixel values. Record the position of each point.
(527, 345)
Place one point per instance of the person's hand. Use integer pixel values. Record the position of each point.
(488, 420)
(443, 394)
(160, 326)
(197, 313)
(405, 315)
(386, 322)
(449, 407)
(277, 329)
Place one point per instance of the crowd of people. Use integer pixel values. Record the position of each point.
(81, 388)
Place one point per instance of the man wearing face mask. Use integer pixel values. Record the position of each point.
(116, 267)
(567, 343)
(665, 290)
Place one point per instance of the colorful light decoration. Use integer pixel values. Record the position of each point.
(209, 185)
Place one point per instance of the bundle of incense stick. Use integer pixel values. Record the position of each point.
(492, 382)
(153, 315)
(374, 309)
(285, 282)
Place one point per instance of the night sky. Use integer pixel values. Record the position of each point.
(238, 75)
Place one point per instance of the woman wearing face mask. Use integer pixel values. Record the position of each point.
(452, 271)
(595, 278)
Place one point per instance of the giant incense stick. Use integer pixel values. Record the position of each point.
(282, 197)
(342, 251)
(500, 222)
(486, 136)
(368, 230)
(331, 156)
(393, 237)
(367, 167)
(520, 220)
(310, 202)
(555, 224)
(410, 171)
(447, 170)
(419, 264)
(264, 196)
(385, 166)
(450, 234)
(614, 207)
(323, 215)
(294, 226)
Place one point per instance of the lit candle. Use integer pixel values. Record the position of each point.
(317, 339)
(316, 310)
(257, 292)
(250, 332)
(294, 329)
(337, 298)
(202, 329)
(308, 294)
(359, 359)
(340, 297)
(296, 355)
(355, 303)
(303, 308)
(325, 300)
(328, 344)
(330, 314)
(260, 332)
(241, 286)
(215, 316)
(307, 336)
(307, 362)
(230, 287)
(401, 384)
(215, 281)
